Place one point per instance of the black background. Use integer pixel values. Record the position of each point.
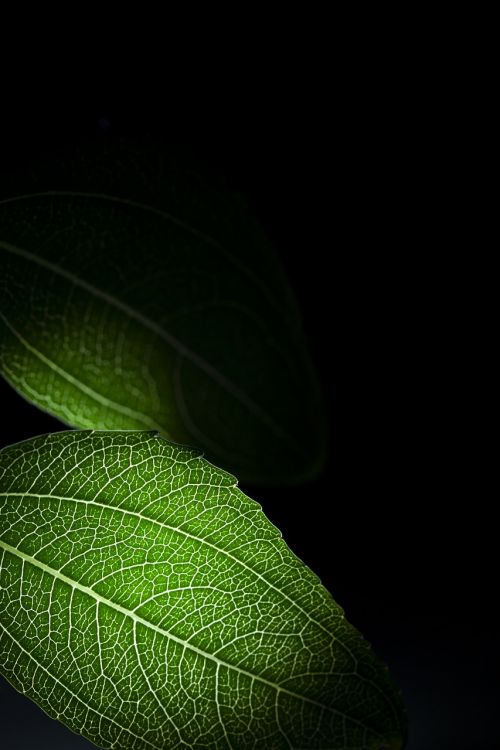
(351, 190)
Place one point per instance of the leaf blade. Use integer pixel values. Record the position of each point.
(151, 322)
(189, 593)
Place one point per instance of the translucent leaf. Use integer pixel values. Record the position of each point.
(136, 295)
(146, 602)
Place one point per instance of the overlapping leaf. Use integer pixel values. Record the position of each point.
(148, 604)
(134, 295)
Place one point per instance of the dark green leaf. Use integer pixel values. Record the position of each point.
(134, 295)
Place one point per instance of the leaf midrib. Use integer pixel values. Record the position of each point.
(228, 554)
(165, 633)
(181, 349)
(182, 532)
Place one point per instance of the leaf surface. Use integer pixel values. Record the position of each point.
(136, 295)
(147, 603)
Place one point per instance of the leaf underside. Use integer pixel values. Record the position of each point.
(147, 603)
(135, 295)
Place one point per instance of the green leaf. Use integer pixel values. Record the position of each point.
(147, 603)
(136, 295)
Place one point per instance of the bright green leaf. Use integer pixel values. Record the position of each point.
(147, 603)
(134, 295)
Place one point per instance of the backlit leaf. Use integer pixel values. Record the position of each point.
(147, 603)
(135, 295)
